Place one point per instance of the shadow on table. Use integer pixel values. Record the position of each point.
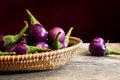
(16, 72)
(24, 72)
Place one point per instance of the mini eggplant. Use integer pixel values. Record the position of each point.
(56, 44)
(53, 33)
(42, 45)
(36, 32)
(21, 49)
(67, 41)
(98, 48)
(9, 40)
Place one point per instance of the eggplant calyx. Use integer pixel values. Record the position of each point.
(33, 20)
(110, 51)
(7, 53)
(10, 40)
(56, 43)
(68, 35)
(33, 49)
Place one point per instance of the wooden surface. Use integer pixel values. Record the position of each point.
(82, 66)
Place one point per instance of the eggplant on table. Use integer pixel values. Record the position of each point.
(98, 48)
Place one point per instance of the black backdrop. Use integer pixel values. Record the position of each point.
(90, 18)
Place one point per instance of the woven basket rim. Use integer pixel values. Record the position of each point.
(41, 54)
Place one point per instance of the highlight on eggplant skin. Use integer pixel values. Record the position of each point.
(99, 40)
(37, 33)
(42, 45)
(19, 49)
(53, 33)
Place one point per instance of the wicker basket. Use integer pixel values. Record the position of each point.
(39, 61)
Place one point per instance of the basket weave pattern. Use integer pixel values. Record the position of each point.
(39, 61)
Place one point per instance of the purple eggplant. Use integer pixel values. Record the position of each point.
(64, 45)
(99, 40)
(98, 48)
(67, 41)
(56, 44)
(53, 33)
(36, 32)
(9, 40)
(42, 45)
(21, 49)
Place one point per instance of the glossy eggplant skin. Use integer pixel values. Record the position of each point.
(64, 45)
(42, 45)
(20, 49)
(99, 40)
(37, 33)
(53, 33)
(97, 49)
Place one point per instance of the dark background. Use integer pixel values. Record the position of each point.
(90, 18)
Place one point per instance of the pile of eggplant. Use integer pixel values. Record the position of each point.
(34, 38)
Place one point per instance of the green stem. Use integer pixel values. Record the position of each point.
(9, 40)
(18, 36)
(33, 20)
(56, 43)
(33, 49)
(68, 35)
(110, 51)
(7, 53)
